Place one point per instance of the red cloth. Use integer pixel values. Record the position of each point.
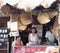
(19, 44)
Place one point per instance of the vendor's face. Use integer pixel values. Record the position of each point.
(33, 30)
(18, 39)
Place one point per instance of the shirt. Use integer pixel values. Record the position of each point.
(50, 36)
(15, 43)
(33, 38)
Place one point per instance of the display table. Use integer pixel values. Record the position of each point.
(35, 49)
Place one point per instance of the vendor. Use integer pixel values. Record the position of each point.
(33, 37)
(50, 37)
(17, 42)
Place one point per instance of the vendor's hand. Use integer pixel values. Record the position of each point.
(39, 40)
(31, 41)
